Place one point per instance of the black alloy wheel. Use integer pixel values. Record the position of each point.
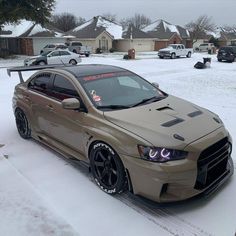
(107, 168)
(73, 62)
(22, 124)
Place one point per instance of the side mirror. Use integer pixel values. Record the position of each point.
(155, 84)
(71, 103)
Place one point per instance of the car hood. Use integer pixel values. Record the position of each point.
(35, 57)
(165, 49)
(171, 122)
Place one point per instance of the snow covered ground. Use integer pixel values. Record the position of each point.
(43, 194)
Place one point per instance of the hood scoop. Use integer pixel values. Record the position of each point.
(172, 122)
(195, 113)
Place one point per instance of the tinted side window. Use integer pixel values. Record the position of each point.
(64, 53)
(40, 83)
(63, 88)
(55, 54)
(76, 44)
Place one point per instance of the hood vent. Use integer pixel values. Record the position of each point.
(195, 113)
(164, 108)
(172, 122)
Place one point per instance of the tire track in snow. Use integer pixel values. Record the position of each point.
(162, 217)
(159, 215)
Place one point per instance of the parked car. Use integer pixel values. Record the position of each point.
(227, 53)
(77, 47)
(54, 57)
(204, 47)
(175, 50)
(52, 47)
(129, 132)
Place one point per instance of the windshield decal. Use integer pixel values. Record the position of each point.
(105, 75)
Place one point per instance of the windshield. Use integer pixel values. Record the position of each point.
(172, 46)
(119, 90)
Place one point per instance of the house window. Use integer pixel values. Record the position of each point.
(103, 44)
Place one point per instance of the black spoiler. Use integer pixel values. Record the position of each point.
(19, 69)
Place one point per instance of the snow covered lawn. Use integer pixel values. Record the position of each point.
(43, 194)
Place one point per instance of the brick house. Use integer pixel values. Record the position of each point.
(133, 37)
(98, 32)
(28, 38)
(165, 33)
(227, 37)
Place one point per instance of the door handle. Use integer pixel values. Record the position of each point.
(50, 107)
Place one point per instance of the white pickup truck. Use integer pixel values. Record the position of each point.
(77, 47)
(175, 50)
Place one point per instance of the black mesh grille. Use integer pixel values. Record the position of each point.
(212, 163)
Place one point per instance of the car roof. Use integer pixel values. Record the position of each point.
(91, 69)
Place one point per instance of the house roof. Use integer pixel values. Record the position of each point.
(228, 34)
(29, 29)
(164, 30)
(94, 27)
(132, 32)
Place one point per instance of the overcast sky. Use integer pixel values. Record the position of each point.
(223, 12)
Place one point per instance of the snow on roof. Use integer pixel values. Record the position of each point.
(38, 28)
(215, 34)
(15, 30)
(26, 28)
(112, 28)
(80, 27)
(171, 28)
(152, 27)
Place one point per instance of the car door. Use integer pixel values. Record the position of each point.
(66, 57)
(39, 98)
(66, 126)
(178, 51)
(183, 51)
(54, 57)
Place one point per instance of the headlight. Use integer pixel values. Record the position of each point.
(157, 154)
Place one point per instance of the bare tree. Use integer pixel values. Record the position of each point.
(201, 26)
(66, 21)
(109, 16)
(229, 29)
(138, 20)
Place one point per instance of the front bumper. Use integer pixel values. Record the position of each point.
(164, 54)
(176, 180)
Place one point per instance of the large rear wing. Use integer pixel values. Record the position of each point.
(19, 69)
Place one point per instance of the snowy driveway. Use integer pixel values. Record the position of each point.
(42, 194)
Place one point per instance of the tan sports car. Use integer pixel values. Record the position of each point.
(128, 132)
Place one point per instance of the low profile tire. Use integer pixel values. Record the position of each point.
(87, 55)
(220, 60)
(173, 56)
(73, 62)
(107, 168)
(42, 63)
(161, 57)
(22, 124)
(189, 54)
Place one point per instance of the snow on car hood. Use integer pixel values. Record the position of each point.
(33, 57)
(165, 49)
(171, 122)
